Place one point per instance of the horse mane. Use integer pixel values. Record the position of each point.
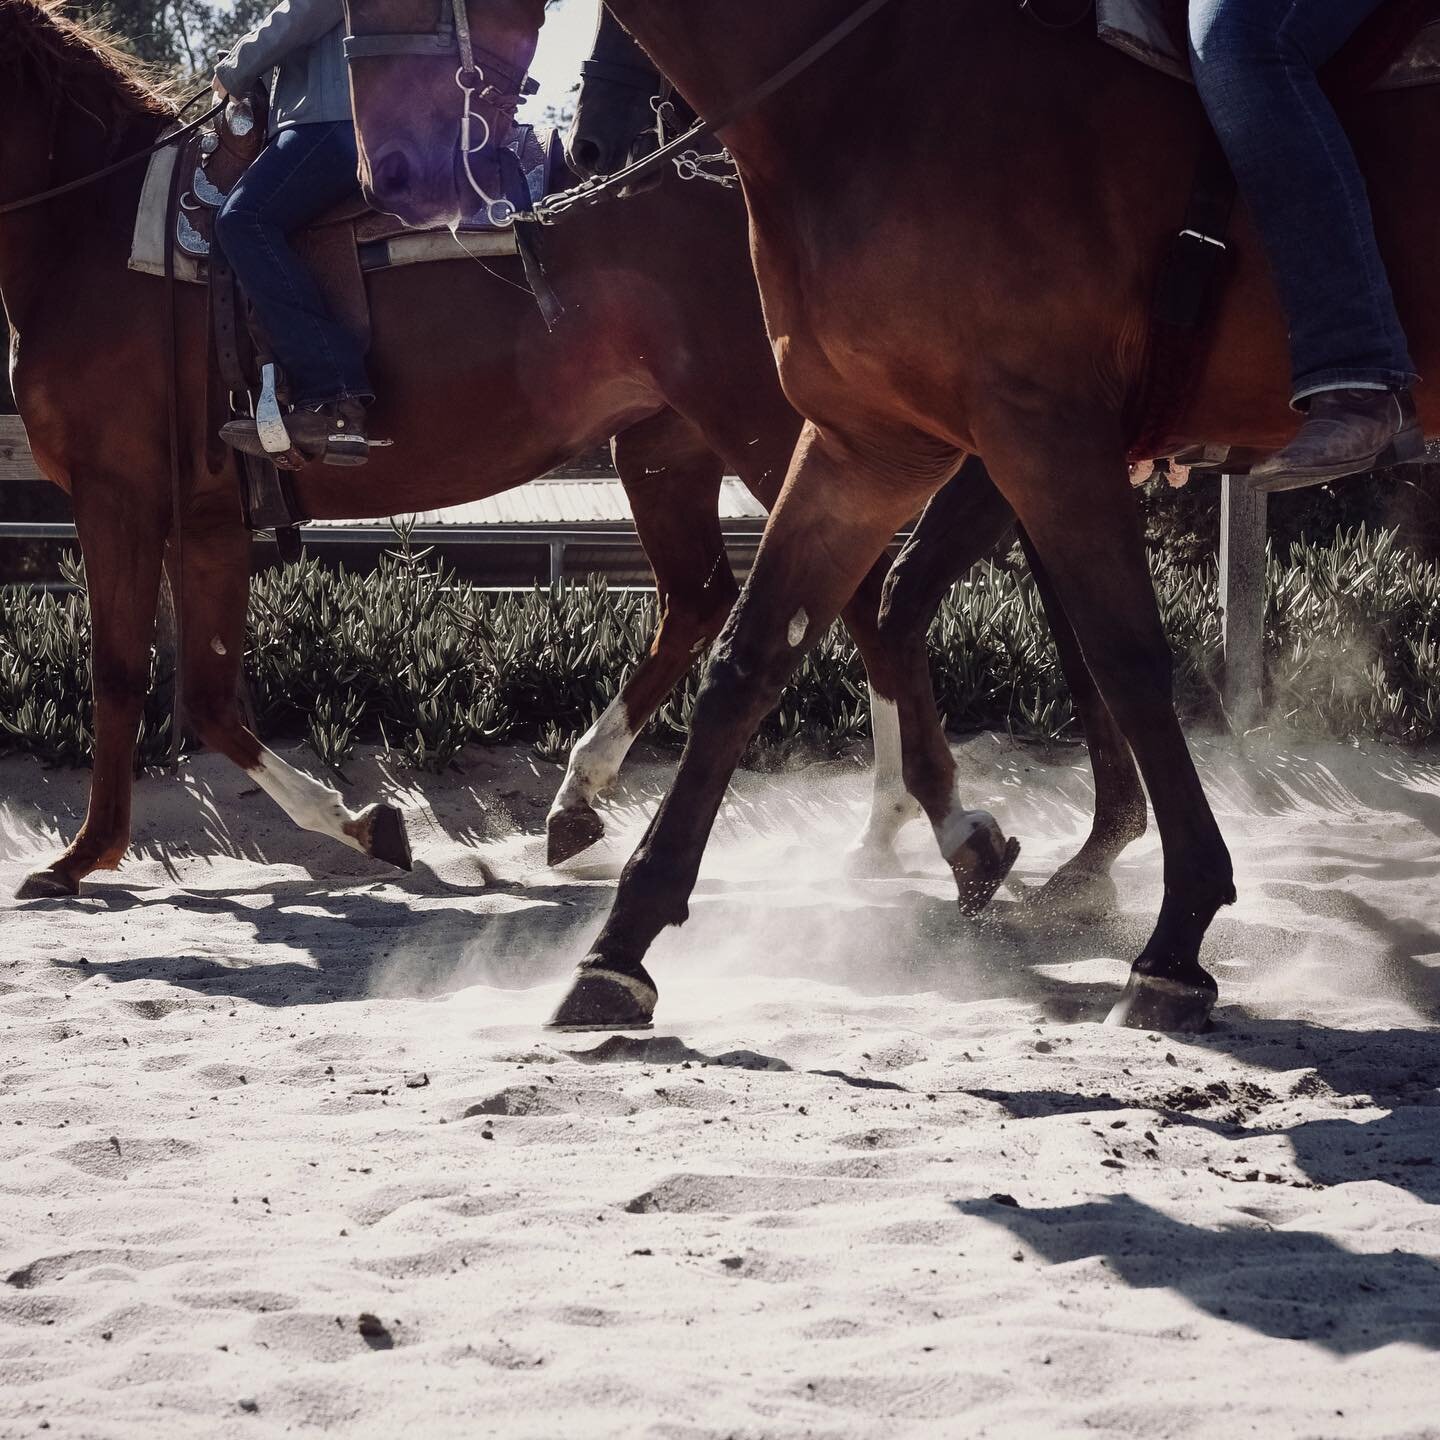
(73, 53)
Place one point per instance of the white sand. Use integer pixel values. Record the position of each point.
(251, 1088)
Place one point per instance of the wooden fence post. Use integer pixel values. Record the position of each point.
(1242, 598)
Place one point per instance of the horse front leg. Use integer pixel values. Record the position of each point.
(836, 513)
(672, 480)
(1069, 486)
(964, 521)
(122, 537)
(217, 587)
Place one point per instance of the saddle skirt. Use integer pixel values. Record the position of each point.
(1396, 48)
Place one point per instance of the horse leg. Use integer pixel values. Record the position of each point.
(673, 482)
(123, 541)
(217, 586)
(836, 514)
(1085, 526)
(892, 806)
(1082, 885)
(963, 523)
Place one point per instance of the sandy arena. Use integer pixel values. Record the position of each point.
(876, 1172)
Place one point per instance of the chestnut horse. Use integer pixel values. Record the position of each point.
(668, 355)
(476, 395)
(955, 219)
(615, 124)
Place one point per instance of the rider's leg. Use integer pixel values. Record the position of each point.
(304, 171)
(1255, 63)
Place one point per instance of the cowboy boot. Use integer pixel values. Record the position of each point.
(332, 431)
(1346, 432)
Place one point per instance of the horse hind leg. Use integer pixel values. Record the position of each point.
(1082, 888)
(672, 480)
(122, 539)
(213, 616)
(1086, 530)
(965, 520)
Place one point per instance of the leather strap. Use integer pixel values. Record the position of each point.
(1190, 279)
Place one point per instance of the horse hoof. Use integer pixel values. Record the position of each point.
(872, 862)
(387, 839)
(47, 885)
(981, 871)
(600, 998)
(1153, 1002)
(1076, 895)
(568, 832)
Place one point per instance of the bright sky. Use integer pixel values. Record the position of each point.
(564, 43)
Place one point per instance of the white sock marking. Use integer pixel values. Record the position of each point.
(311, 805)
(892, 807)
(596, 759)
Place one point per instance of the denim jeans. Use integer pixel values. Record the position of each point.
(1255, 63)
(303, 171)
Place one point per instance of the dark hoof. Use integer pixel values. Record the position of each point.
(1153, 1002)
(1076, 895)
(603, 999)
(388, 840)
(982, 871)
(47, 885)
(568, 832)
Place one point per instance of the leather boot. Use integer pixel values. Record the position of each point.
(1346, 432)
(332, 432)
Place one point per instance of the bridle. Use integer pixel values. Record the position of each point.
(451, 37)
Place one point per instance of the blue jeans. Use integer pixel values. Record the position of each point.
(299, 175)
(1255, 63)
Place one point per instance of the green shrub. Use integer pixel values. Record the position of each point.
(408, 657)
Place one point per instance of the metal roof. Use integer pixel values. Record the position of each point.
(562, 502)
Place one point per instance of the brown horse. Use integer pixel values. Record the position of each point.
(979, 285)
(666, 354)
(967, 520)
(617, 121)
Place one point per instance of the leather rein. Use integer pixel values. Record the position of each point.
(451, 36)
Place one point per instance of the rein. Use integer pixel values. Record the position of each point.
(56, 191)
(451, 36)
(593, 192)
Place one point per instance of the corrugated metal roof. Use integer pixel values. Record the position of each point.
(563, 502)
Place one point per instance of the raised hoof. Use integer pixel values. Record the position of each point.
(604, 999)
(1077, 895)
(568, 832)
(1153, 1002)
(387, 839)
(47, 885)
(977, 881)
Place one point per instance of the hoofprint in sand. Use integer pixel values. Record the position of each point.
(876, 1172)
